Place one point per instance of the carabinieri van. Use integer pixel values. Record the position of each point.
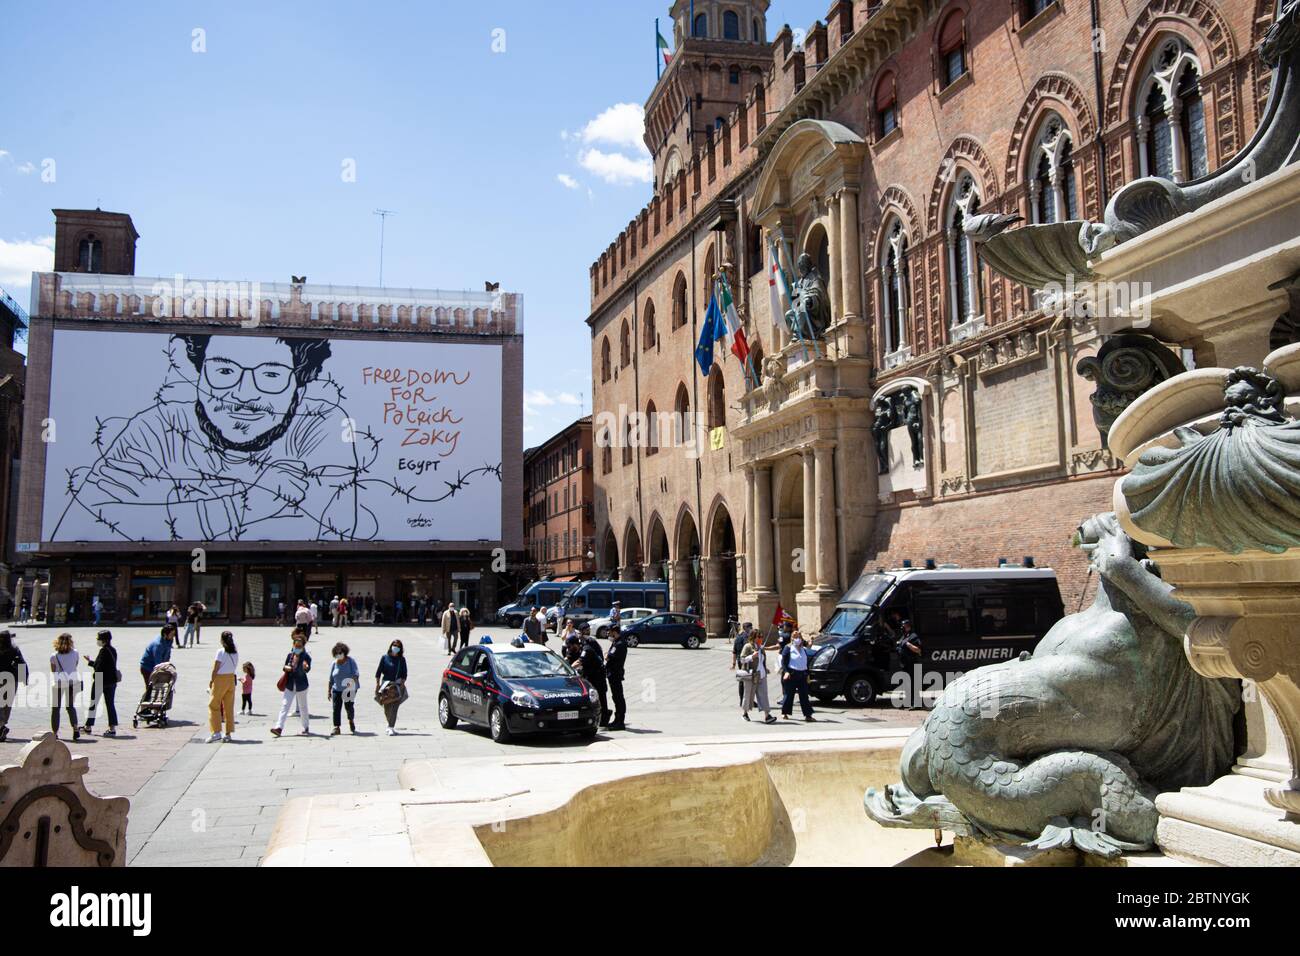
(964, 618)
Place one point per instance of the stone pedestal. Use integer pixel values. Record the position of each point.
(813, 608)
(49, 818)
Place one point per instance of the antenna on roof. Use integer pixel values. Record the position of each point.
(383, 215)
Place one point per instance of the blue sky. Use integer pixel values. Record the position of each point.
(515, 165)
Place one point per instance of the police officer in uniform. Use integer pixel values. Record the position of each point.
(614, 662)
(592, 661)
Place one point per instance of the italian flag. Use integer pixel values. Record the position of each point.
(663, 47)
(739, 344)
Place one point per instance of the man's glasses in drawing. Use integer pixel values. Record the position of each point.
(270, 378)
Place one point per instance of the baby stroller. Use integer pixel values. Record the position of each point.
(157, 700)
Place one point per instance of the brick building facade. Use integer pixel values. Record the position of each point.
(559, 529)
(869, 149)
(351, 433)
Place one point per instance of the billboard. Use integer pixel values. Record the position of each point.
(230, 436)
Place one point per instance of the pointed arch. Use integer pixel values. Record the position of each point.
(1052, 92)
(966, 152)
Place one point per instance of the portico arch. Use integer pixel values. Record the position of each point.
(685, 587)
(631, 570)
(788, 530)
(609, 553)
(658, 557)
(720, 577)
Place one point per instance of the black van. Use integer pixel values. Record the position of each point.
(964, 618)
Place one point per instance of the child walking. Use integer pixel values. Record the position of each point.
(246, 688)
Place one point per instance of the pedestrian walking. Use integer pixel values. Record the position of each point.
(246, 687)
(279, 614)
(450, 629)
(591, 661)
(221, 688)
(315, 622)
(194, 616)
(159, 651)
(466, 626)
(297, 664)
(103, 685)
(64, 684)
(176, 619)
(533, 626)
(390, 683)
(753, 664)
(334, 611)
(301, 614)
(615, 662)
(345, 678)
(345, 611)
(743, 638)
(794, 677)
(13, 672)
(96, 609)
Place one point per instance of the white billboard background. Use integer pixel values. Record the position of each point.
(243, 437)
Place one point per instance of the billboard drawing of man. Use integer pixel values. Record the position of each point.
(247, 439)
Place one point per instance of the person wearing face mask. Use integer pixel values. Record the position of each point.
(345, 678)
(296, 665)
(794, 677)
(390, 683)
(104, 684)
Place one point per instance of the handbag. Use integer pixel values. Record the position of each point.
(391, 692)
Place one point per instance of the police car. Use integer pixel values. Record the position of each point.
(516, 690)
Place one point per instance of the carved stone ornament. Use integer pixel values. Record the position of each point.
(49, 818)
(1235, 489)
(774, 381)
(1056, 253)
(1125, 367)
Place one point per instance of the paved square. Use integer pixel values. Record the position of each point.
(194, 802)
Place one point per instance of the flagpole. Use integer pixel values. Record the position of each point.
(659, 60)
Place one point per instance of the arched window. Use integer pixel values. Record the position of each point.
(895, 290)
(1053, 196)
(90, 254)
(605, 371)
(1192, 108)
(952, 49)
(964, 269)
(629, 439)
(1170, 117)
(733, 75)
(679, 302)
(652, 430)
(701, 28)
(730, 26)
(717, 399)
(605, 442)
(624, 346)
(757, 35)
(886, 105)
(681, 416)
(648, 336)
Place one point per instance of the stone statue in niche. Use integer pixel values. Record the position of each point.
(910, 402)
(812, 303)
(883, 408)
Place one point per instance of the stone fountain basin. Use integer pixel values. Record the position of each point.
(777, 800)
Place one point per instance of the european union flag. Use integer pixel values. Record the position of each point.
(708, 334)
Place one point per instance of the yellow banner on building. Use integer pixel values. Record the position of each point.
(718, 437)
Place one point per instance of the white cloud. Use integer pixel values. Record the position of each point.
(536, 398)
(567, 181)
(26, 168)
(623, 125)
(20, 258)
(616, 167)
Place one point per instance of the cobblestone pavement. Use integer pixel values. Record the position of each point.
(194, 802)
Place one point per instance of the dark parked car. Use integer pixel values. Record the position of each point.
(666, 627)
(516, 690)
